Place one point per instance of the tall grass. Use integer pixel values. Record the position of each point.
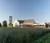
(21, 35)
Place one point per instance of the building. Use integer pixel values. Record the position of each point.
(21, 23)
(16, 23)
(29, 22)
(40, 25)
(26, 23)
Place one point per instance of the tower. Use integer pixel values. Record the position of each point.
(10, 21)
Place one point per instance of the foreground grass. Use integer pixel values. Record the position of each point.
(44, 39)
(21, 35)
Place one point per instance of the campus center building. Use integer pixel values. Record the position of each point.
(23, 22)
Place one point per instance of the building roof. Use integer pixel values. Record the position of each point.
(20, 21)
(26, 21)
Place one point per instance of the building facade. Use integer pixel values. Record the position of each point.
(29, 22)
(16, 23)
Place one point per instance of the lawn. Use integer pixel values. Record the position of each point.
(44, 39)
(21, 35)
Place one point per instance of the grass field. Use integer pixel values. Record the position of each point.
(22, 35)
(44, 39)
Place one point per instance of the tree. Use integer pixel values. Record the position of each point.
(4, 23)
(10, 25)
(46, 25)
(0, 25)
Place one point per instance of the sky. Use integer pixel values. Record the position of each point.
(39, 10)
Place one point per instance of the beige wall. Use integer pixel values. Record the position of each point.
(29, 22)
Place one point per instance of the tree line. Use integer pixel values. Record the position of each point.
(4, 24)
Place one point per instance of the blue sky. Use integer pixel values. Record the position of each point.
(39, 10)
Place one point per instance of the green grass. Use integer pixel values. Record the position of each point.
(44, 39)
(21, 35)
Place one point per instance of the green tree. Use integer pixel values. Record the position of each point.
(4, 23)
(0, 25)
